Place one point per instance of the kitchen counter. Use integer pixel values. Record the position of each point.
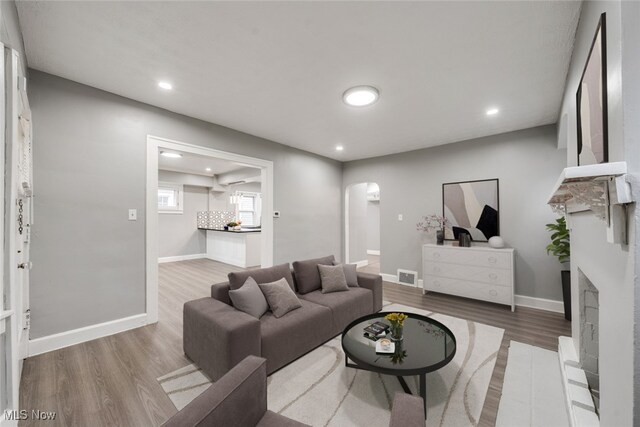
(243, 230)
(241, 248)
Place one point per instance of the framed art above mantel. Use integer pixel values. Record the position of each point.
(591, 102)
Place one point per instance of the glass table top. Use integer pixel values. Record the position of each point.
(427, 345)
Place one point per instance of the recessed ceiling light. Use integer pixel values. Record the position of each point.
(339, 148)
(165, 85)
(360, 96)
(492, 111)
(170, 155)
(208, 169)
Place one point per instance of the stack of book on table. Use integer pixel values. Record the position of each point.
(376, 330)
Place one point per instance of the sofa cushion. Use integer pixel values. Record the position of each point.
(350, 273)
(250, 299)
(332, 278)
(307, 274)
(286, 338)
(280, 297)
(345, 306)
(261, 275)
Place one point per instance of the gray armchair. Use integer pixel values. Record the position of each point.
(239, 398)
(407, 411)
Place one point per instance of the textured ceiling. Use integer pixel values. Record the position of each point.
(278, 69)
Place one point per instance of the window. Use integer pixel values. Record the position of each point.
(169, 197)
(248, 209)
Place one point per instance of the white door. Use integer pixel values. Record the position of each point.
(17, 164)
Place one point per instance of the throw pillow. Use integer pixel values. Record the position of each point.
(332, 278)
(261, 275)
(280, 297)
(307, 275)
(351, 274)
(250, 299)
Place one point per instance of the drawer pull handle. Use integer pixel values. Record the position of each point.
(493, 292)
(493, 276)
(493, 260)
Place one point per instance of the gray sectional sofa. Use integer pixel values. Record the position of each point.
(217, 336)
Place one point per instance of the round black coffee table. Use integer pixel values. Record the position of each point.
(427, 346)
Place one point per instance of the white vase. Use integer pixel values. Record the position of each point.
(496, 242)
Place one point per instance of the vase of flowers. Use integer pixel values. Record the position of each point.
(397, 324)
(435, 223)
(234, 225)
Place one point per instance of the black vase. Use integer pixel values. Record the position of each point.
(566, 293)
(440, 237)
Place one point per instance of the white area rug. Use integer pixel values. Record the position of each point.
(532, 393)
(318, 389)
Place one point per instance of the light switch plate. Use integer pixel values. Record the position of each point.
(133, 214)
(400, 218)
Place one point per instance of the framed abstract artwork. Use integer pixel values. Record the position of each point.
(472, 207)
(591, 102)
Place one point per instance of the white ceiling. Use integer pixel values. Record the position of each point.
(278, 69)
(196, 164)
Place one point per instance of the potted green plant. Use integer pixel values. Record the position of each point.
(560, 247)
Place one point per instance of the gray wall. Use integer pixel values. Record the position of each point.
(373, 226)
(89, 163)
(527, 163)
(358, 222)
(178, 234)
(611, 268)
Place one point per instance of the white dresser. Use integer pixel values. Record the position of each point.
(477, 272)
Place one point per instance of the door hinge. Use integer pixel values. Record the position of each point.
(26, 320)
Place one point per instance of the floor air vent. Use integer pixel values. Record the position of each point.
(408, 277)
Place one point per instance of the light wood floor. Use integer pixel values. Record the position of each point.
(112, 381)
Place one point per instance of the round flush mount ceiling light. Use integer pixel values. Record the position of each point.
(492, 111)
(170, 155)
(208, 169)
(339, 148)
(165, 85)
(360, 96)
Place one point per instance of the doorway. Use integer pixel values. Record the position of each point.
(232, 196)
(362, 226)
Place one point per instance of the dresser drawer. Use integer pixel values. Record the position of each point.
(475, 290)
(468, 256)
(494, 276)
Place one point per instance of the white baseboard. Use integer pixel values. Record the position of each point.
(394, 279)
(540, 303)
(88, 333)
(359, 264)
(181, 258)
(373, 252)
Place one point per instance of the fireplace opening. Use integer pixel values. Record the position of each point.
(589, 335)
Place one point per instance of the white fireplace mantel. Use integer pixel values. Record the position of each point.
(603, 188)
